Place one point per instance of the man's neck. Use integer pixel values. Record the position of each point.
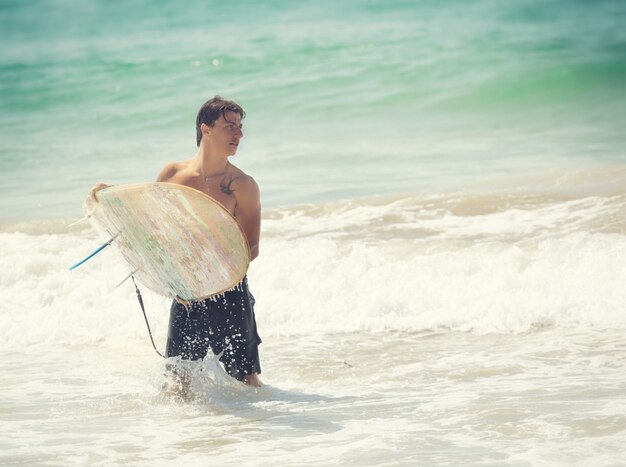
(209, 164)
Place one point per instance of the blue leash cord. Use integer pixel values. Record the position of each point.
(95, 252)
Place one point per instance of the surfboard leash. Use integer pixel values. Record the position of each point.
(143, 310)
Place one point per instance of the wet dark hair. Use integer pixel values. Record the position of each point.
(212, 110)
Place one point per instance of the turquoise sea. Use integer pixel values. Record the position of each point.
(441, 277)
(344, 99)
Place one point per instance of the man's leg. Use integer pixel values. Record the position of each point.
(235, 334)
(187, 338)
(177, 384)
(252, 380)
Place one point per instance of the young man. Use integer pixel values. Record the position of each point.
(227, 325)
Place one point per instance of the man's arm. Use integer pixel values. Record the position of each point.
(96, 188)
(248, 212)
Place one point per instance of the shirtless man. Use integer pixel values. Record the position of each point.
(226, 326)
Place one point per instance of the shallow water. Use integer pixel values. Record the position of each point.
(478, 326)
(549, 396)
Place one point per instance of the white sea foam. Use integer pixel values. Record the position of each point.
(484, 326)
(410, 264)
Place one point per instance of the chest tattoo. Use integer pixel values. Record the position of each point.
(225, 184)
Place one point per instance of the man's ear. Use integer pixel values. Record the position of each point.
(205, 129)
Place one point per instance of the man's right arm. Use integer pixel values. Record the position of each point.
(165, 175)
(96, 188)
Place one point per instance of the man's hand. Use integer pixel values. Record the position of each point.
(96, 188)
(182, 301)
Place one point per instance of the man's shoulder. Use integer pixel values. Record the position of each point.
(243, 182)
(171, 169)
(242, 177)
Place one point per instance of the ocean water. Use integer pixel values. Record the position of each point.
(441, 278)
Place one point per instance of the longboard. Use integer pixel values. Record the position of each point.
(177, 241)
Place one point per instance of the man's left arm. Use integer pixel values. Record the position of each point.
(248, 212)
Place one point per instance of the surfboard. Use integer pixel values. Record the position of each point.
(177, 241)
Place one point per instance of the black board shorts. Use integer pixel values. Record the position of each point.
(224, 324)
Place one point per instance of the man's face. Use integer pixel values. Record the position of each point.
(226, 133)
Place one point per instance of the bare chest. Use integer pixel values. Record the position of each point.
(217, 188)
